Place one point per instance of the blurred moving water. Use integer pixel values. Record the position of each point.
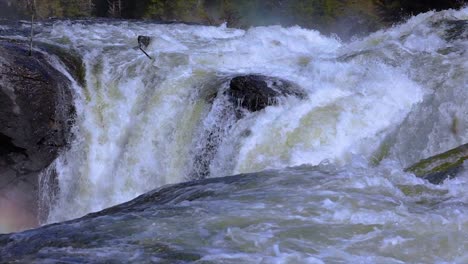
(375, 106)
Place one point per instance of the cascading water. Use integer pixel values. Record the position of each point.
(142, 123)
(374, 106)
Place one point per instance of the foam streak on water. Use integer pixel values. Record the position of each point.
(140, 121)
(323, 214)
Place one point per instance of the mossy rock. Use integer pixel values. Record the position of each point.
(438, 168)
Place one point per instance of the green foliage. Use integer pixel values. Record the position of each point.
(320, 14)
(59, 8)
(185, 10)
(156, 9)
(305, 10)
(395, 10)
(78, 8)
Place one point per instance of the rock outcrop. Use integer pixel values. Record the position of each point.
(438, 168)
(143, 41)
(36, 114)
(70, 59)
(255, 92)
(246, 93)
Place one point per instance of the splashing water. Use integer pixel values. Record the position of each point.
(374, 106)
(141, 122)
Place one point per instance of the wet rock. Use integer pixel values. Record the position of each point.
(455, 30)
(438, 168)
(36, 113)
(163, 226)
(210, 139)
(70, 58)
(116, 228)
(250, 93)
(255, 92)
(143, 41)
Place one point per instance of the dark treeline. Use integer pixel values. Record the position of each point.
(394, 10)
(238, 13)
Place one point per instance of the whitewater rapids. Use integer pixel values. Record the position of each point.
(375, 106)
(139, 120)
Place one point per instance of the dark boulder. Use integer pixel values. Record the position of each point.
(68, 57)
(247, 93)
(36, 114)
(143, 41)
(438, 168)
(255, 92)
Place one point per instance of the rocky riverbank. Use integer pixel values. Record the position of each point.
(36, 115)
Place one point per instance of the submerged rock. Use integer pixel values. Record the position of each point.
(125, 223)
(137, 226)
(243, 218)
(255, 92)
(36, 113)
(454, 29)
(438, 168)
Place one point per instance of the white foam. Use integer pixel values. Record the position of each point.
(137, 118)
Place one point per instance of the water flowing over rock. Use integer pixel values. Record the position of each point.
(70, 59)
(75, 233)
(455, 29)
(257, 217)
(250, 93)
(36, 113)
(143, 123)
(312, 195)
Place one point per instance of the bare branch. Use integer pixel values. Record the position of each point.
(32, 4)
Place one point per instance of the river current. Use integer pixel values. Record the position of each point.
(328, 184)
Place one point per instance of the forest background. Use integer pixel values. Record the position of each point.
(340, 16)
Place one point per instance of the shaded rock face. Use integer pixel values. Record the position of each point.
(443, 166)
(70, 59)
(36, 113)
(246, 93)
(255, 92)
(143, 41)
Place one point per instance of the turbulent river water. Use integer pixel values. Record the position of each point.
(329, 184)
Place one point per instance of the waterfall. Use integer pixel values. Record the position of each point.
(143, 123)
